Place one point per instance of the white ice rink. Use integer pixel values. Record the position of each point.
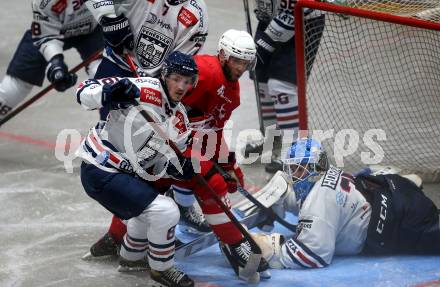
(47, 222)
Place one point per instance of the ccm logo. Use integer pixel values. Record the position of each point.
(382, 215)
(151, 96)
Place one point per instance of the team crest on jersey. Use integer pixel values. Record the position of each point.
(331, 177)
(152, 47)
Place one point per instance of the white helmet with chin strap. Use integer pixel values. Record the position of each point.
(238, 44)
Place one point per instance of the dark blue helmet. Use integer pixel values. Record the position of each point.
(181, 64)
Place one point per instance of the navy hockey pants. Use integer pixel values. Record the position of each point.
(29, 65)
(122, 194)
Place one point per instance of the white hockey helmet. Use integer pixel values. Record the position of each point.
(238, 44)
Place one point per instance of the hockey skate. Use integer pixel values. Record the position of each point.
(171, 278)
(103, 248)
(238, 255)
(192, 220)
(133, 266)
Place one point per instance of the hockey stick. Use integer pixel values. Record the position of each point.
(252, 71)
(208, 239)
(43, 92)
(249, 273)
(274, 195)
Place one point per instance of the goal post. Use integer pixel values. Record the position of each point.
(375, 81)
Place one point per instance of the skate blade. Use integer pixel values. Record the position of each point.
(191, 230)
(89, 257)
(265, 275)
(132, 269)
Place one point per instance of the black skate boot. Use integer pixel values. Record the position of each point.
(238, 255)
(274, 166)
(171, 278)
(103, 248)
(253, 148)
(133, 266)
(192, 220)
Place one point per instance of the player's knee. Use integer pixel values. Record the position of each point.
(169, 212)
(13, 90)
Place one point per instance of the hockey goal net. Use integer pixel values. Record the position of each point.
(377, 69)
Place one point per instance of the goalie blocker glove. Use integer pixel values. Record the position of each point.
(117, 33)
(58, 74)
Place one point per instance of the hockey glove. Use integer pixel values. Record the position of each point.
(187, 169)
(265, 48)
(117, 33)
(232, 168)
(58, 74)
(120, 95)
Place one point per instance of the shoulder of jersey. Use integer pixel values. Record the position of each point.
(151, 91)
(192, 13)
(54, 6)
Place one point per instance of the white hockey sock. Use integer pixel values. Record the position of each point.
(12, 92)
(183, 196)
(286, 103)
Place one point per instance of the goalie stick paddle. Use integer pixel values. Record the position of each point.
(43, 92)
(255, 257)
(267, 210)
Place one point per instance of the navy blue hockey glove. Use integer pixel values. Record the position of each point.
(117, 33)
(187, 169)
(58, 74)
(120, 95)
(265, 48)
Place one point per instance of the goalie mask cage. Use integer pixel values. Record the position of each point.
(377, 66)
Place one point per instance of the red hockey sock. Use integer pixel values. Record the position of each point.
(220, 223)
(117, 229)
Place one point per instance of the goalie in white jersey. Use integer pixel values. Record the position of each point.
(339, 214)
(148, 31)
(126, 161)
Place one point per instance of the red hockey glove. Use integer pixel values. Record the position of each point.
(232, 168)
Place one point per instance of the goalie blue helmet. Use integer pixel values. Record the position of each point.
(304, 162)
(182, 64)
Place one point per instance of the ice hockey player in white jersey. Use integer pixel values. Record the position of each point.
(151, 29)
(276, 67)
(57, 26)
(339, 214)
(126, 161)
(148, 31)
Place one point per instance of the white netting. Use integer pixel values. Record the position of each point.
(369, 75)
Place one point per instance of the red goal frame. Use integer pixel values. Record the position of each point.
(357, 12)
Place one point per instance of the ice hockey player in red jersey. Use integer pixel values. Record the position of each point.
(341, 214)
(210, 106)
